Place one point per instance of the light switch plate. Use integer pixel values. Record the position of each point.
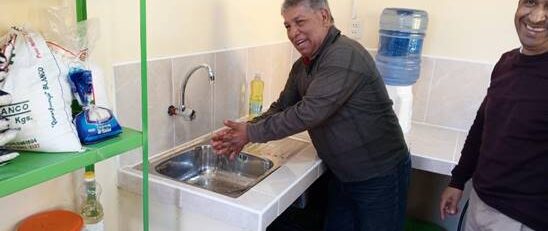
(356, 28)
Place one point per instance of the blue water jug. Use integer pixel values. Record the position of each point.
(401, 36)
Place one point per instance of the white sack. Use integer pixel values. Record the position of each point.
(41, 98)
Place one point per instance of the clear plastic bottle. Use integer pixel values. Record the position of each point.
(256, 97)
(401, 37)
(91, 209)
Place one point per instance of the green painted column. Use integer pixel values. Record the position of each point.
(144, 108)
(81, 10)
(81, 15)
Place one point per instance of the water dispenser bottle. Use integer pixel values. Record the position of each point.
(398, 59)
(401, 37)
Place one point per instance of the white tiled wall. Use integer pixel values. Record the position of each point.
(456, 91)
(446, 95)
(233, 69)
(198, 97)
(446, 99)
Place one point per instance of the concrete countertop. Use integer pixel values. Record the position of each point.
(434, 149)
(254, 210)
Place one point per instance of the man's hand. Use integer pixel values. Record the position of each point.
(231, 140)
(218, 141)
(449, 202)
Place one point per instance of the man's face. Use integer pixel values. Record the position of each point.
(532, 26)
(306, 28)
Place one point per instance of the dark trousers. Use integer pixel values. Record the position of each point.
(376, 204)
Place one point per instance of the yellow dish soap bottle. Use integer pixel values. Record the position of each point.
(256, 97)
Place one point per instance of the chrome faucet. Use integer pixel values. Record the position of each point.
(188, 113)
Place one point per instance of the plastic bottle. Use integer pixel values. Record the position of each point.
(256, 97)
(398, 59)
(401, 36)
(91, 209)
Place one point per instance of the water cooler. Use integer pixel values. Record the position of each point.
(398, 59)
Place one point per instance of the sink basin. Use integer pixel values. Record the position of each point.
(195, 163)
(202, 167)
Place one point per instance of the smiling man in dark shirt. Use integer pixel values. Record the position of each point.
(335, 92)
(506, 151)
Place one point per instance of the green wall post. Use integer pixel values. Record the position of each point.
(144, 108)
(81, 15)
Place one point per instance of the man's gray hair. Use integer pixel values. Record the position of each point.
(313, 4)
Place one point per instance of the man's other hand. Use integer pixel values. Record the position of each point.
(449, 202)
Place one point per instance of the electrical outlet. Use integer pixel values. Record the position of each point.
(356, 28)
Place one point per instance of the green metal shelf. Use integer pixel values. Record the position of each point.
(32, 168)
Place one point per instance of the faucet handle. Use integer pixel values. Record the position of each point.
(172, 110)
(189, 114)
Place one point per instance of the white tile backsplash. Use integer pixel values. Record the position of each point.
(128, 97)
(281, 54)
(128, 101)
(160, 92)
(457, 90)
(230, 101)
(260, 61)
(197, 97)
(421, 89)
(446, 95)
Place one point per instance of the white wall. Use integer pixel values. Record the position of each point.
(182, 27)
(465, 29)
(25, 12)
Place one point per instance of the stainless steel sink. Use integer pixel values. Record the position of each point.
(202, 167)
(198, 165)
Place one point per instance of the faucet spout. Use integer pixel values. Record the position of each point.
(188, 113)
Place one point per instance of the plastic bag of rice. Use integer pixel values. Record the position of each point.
(37, 82)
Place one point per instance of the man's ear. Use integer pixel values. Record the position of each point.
(326, 16)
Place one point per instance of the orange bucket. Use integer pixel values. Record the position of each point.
(57, 220)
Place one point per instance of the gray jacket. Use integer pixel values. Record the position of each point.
(340, 98)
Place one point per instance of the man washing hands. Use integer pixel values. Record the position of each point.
(335, 92)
